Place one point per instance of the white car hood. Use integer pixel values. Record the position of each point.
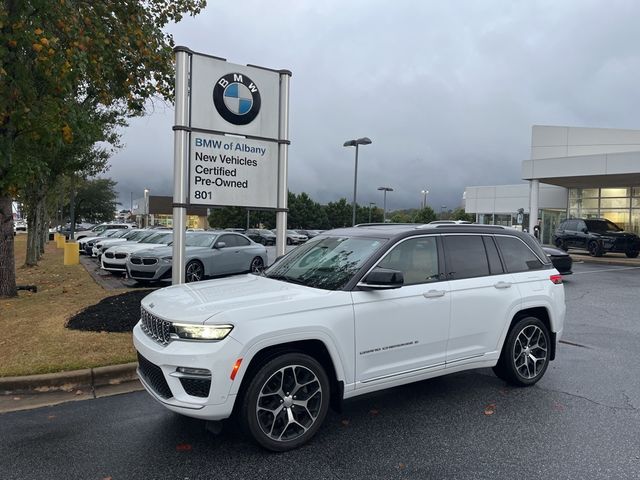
(135, 247)
(232, 300)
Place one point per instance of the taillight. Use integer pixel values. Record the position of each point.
(556, 279)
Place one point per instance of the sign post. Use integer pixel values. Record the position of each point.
(231, 138)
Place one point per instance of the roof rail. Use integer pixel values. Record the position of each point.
(386, 224)
(468, 225)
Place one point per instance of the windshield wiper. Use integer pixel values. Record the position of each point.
(288, 279)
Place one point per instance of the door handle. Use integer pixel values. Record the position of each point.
(502, 285)
(434, 294)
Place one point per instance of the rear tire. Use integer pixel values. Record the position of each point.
(289, 241)
(257, 265)
(285, 402)
(632, 253)
(525, 354)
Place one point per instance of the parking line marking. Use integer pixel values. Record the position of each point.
(607, 270)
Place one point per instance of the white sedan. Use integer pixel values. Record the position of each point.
(114, 259)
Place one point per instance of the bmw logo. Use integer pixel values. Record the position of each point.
(236, 98)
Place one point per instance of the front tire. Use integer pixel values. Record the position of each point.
(286, 402)
(632, 253)
(194, 272)
(594, 249)
(561, 244)
(525, 353)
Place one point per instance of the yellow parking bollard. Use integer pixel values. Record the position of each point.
(71, 253)
(60, 239)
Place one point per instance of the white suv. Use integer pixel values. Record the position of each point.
(350, 312)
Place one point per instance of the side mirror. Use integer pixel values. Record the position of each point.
(220, 245)
(584, 230)
(382, 278)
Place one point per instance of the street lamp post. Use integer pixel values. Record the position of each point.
(370, 203)
(384, 202)
(146, 208)
(356, 143)
(424, 198)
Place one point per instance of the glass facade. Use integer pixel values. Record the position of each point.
(620, 205)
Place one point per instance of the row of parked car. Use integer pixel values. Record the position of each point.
(145, 255)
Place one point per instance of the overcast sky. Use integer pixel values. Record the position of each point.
(447, 90)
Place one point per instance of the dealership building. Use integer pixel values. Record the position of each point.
(573, 172)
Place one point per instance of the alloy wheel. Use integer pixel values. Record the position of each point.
(194, 272)
(256, 265)
(530, 352)
(289, 403)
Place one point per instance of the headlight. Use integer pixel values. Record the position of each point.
(166, 259)
(201, 332)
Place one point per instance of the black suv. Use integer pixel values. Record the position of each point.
(597, 236)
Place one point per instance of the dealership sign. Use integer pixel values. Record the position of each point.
(231, 138)
(233, 171)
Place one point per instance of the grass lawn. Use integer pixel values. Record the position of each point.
(34, 338)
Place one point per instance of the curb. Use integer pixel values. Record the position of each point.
(69, 381)
(621, 262)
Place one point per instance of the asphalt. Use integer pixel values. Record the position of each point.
(34, 391)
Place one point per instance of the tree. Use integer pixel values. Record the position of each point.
(460, 214)
(339, 214)
(400, 217)
(425, 215)
(96, 200)
(54, 54)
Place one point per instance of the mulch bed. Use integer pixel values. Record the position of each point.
(112, 314)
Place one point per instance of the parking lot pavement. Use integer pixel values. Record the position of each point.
(581, 421)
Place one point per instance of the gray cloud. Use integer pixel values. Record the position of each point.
(447, 91)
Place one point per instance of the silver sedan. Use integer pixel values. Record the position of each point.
(207, 254)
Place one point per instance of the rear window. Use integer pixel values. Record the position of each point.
(517, 256)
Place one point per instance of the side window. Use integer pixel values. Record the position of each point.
(495, 265)
(227, 239)
(517, 256)
(571, 225)
(466, 256)
(581, 226)
(240, 241)
(416, 258)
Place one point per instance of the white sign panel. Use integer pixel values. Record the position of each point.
(232, 171)
(231, 98)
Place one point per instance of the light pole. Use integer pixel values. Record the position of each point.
(356, 143)
(442, 210)
(384, 203)
(146, 208)
(370, 203)
(424, 198)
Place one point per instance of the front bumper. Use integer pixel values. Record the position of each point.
(158, 374)
(157, 271)
(113, 264)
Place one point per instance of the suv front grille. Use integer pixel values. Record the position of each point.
(156, 328)
(153, 376)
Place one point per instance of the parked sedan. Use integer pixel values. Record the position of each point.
(561, 260)
(86, 244)
(261, 235)
(207, 254)
(295, 238)
(309, 233)
(114, 259)
(134, 235)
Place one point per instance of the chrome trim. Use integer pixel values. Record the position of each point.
(193, 376)
(465, 358)
(414, 370)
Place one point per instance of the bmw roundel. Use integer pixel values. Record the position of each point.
(236, 98)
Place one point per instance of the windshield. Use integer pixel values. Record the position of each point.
(327, 263)
(200, 240)
(602, 226)
(162, 237)
(119, 233)
(265, 232)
